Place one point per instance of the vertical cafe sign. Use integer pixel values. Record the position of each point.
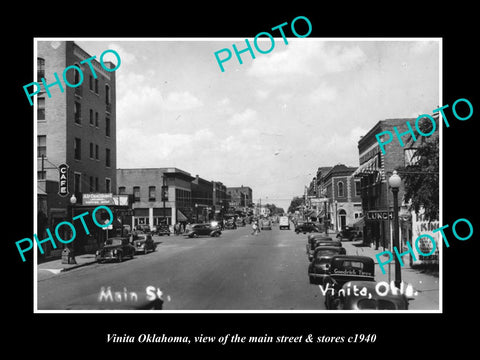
(63, 180)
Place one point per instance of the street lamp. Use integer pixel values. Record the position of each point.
(394, 181)
(196, 212)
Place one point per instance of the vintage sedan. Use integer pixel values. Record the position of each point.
(116, 248)
(304, 227)
(320, 265)
(144, 243)
(320, 243)
(265, 224)
(363, 295)
(196, 230)
(163, 230)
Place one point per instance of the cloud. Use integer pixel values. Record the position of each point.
(245, 118)
(323, 92)
(302, 57)
(181, 101)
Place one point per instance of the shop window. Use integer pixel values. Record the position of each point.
(340, 188)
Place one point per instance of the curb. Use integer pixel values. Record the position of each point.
(78, 266)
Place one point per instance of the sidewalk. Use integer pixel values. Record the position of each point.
(426, 285)
(57, 266)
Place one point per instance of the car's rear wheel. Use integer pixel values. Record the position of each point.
(195, 235)
(120, 257)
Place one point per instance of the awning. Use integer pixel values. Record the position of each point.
(181, 216)
(359, 223)
(370, 167)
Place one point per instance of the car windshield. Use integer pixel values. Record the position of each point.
(326, 252)
(113, 242)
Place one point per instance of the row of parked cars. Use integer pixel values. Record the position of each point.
(119, 248)
(347, 281)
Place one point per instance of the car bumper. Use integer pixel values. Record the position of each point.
(106, 257)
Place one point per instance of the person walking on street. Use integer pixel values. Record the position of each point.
(254, 228)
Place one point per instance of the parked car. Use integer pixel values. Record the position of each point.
(265, 224)
(116, 248)
(144, 243)
(304, 227)
(230, 224)
(367, 298)
(240, 222)
(320, 243)
(320, 265)
(345, 268)
(143, 227)
(350, 234)
(163, 230)
(284, 223)
(196, 230)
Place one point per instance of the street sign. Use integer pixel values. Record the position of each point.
(97, 199)
(63, 180)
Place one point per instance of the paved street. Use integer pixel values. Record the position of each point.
(236, 271)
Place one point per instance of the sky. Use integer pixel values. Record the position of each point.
(270, 122)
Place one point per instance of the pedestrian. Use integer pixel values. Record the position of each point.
(254, 228)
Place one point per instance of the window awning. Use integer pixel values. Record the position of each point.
(181, 216)
(372, 166)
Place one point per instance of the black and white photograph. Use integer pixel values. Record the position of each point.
(237, 180)
(172, 179)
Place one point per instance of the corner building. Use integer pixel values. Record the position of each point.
(377, 198)
(76, 127)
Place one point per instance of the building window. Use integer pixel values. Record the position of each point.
(96, 184)
(121, 190)
(358, 188)
(41, 145)
(108, 183)
(96, 152)
(91, 184)
(90, 85)
(78, 112)
(41, 108)
(107, 126)
(136, 193)
(40, 69)
(410, 157)
(96, 119)
(107, 94)
(77, 185)
(77, 149)
(91, 151)
(340, 189)
(107, 157)
(91, 117)
(96, 86)
(151, 193)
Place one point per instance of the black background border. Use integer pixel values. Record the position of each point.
(403, 334)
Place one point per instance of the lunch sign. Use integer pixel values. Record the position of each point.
(379, 215)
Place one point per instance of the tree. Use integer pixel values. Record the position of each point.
(421, 179)
(295, 203)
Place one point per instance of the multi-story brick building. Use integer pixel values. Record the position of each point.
(160, 195)
(240, 197)
(220, 199)
(202, 198)
(344, 206)
(76, 127)
(374, 170)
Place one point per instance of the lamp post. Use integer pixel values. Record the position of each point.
(394, 181)
(196, 212)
